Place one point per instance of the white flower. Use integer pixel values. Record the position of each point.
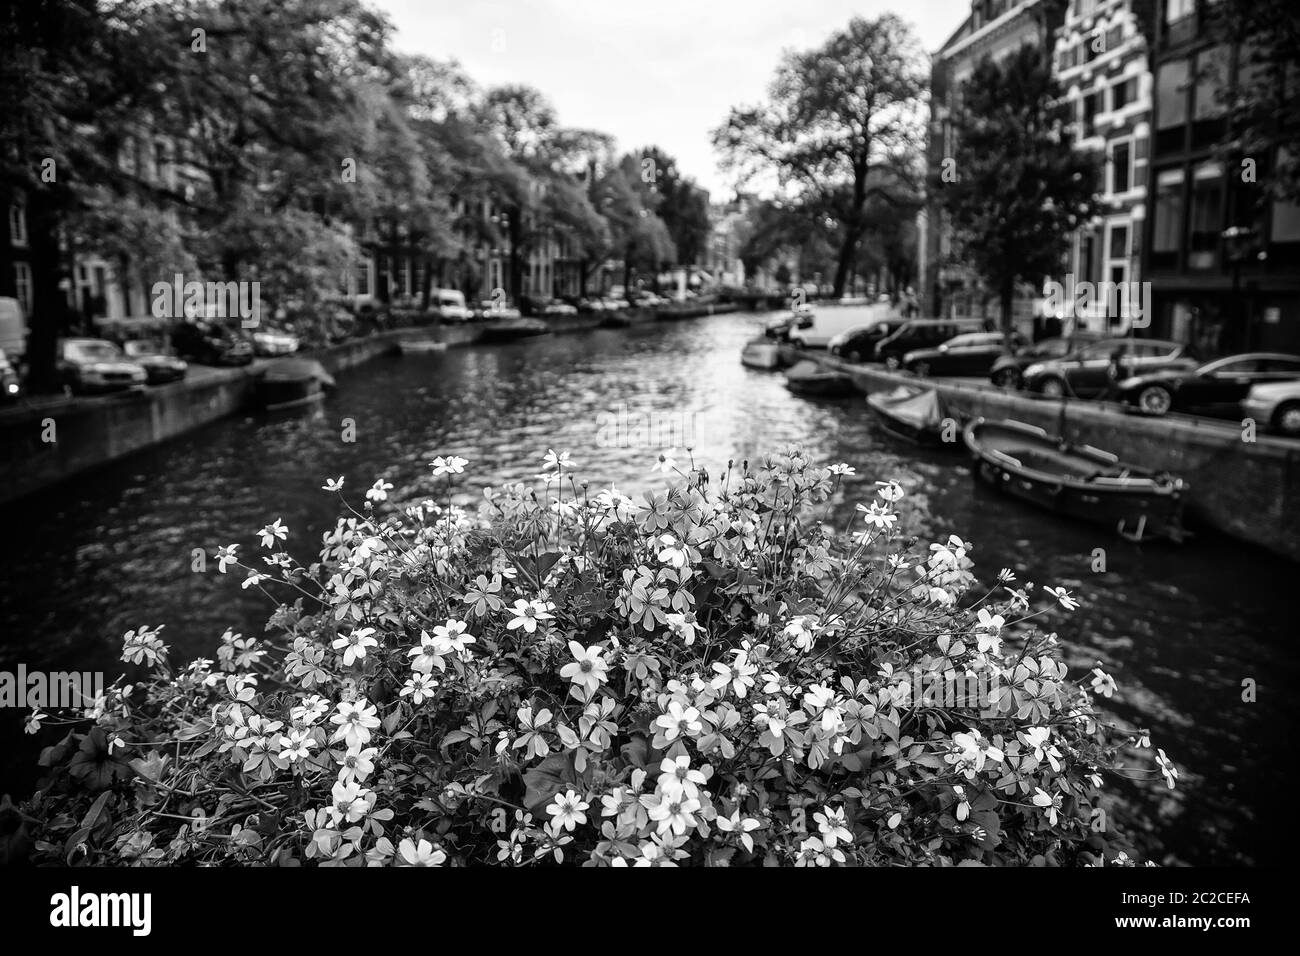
(1167, 768)
(379, 490)
(420, 854)
(1102, 683)
(528, 614)
(833, 827)
(889, 490)
(356, 644)
(1063, 596)
(843, 469)
(665, 463)
(878, 516)
(674, 812)
(800, 630)
(677, 777)
(683, 625)
(355, 720)
(567, 810)
(588, 667)
(34, 721)
(451, 465)
(419, 687)
(679, 720)
(742, 825)
(558, 462)
(673, 552)
(273, 531)
(1051, 805)
(333, 484)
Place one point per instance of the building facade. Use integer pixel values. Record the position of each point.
(994, 28)
(1222, 256)
(1100, 60)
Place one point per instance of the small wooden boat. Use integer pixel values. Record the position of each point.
(911, 412)
(504, 329)
(1077, 480)
(421, 346)
(809, 378)
(761, 353)
(292, 382)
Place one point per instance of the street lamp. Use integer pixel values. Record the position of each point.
(1238, 242)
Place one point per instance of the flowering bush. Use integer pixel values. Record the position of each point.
(712, 676)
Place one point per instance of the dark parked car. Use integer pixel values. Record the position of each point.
(1008, 370)
(96, 365)
(1094, 370)
(158, 365)
(1216, 388)
(972, 353)
(211, 345)
(781, 328)
(922, 334)
(858, 344)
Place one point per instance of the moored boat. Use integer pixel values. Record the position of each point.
(912, 412)
(421, 346)
(1077, 480)
(498, 330)
(292, 382)
(809, 378)
(761, 353)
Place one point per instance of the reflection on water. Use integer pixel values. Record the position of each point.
(1180, 629)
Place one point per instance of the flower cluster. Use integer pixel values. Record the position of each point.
(712, 675)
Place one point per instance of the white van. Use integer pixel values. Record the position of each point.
(13, 328)
(450, 306)
(830, 322)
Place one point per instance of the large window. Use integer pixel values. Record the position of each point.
(1211, 77)
(1206, 215)
(1176, 10)
(1123, 93)
(17, 225)
(1169, 211)
(1121, 166)
(1171, 94)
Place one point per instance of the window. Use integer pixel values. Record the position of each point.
(1286, 222)
(1176, 10)
(1121, 166)
(1123, 93)
(1119, 241)
(1169, 211)
(17, 225)
(1171, 94)
(23, 285)
(1206, 215)
(1092, 105)
(1211, 77)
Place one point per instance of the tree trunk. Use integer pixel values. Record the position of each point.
(49, 308)
(1007, 297)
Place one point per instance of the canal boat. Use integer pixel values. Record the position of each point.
(1077, 480)
(292, 383)
(421, 346)
(506, 329)
(911, 412)
(761, 353)
(809, 378)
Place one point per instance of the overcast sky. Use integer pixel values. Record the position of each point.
(663, 72)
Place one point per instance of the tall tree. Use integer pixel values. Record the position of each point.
(1022, 187)
(843, 125)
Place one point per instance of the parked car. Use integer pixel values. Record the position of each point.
(971, 353)
(829, 323)
(1216, 388)
(921, 334)
(11, 386)
(210, 344)
(1276, 405)
(1095, 369)
(96, 365)
(556, 307)
(159, 367)
(273, 342)
(858, 344)
(13, 327)
(1008, 370)
(449, 305)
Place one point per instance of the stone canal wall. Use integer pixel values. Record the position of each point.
(1249, 490)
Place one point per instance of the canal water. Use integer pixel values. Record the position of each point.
(1180, 628)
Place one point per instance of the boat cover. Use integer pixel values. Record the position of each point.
(922, 410)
